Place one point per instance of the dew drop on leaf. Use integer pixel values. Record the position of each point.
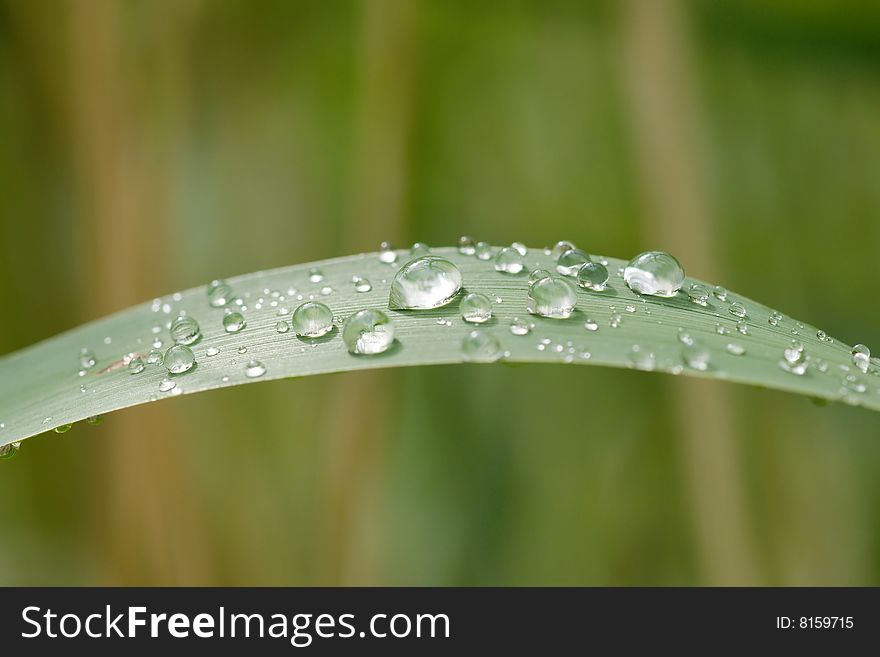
(425, 283)
(654, 273)
(312, 320)
(480, 347)
(368, 332)
(476, 308)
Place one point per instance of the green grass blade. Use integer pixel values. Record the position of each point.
(40, 387)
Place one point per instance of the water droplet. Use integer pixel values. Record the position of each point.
(94, 420)
(483, 250)
(242, 349)
(821, 335)
(570, 262)
(312, 320)
(742, 327)
(775, 318)
(699, 294)
(368, 332)
(735, 349)
(520, 248)
(326, 291)
(166, 385)
(720, 293)
(63, 428)
(614, 320)
(655, 273)
(233, 322)
(642, 359)
(179, 359)
(738, 310)
(476, 308)
(154, 357)
(593, 276)
(387, 254)
(419, 249)
(361, 284)
(537, 275)
(794, 359)
(696, 357)
(509, 261)
(552, 297)
(684, 337)
(480, 347)
(212, 351)
(87, 358)
(136, 365)
(591, 324)
(629, 308)
(466, 245)
(219, 293)
(254, 369)
(315, 275)
(861, 357)
(424, 283)
(561, 247)
(282, 327)
(519, 326)
(185, 330)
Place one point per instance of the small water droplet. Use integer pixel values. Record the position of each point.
(629, 308)
(483, 250)
(591, 324)
(552, 297)
(720, 329)
(219, 293)
(166, 384)
(684, 337)
(738, 310)
(466, 245)
(136, 365)
(63, 428)
(698, 294)
(520, 248)
(185, 330)
(282, 327)
(509, 261)
(233, 322)
(735, 348)
(387, 254)
(212, 351)
(642, 359)
(87, 358)
(425, 283)
(519, 326)
(94, 420)
(480, 347)
(315, 275)
(593, 276)
(696, 357)
(821, 335)
(861, 357)
(179, 359)
(242, 349)
(570, 262)
(368, 332)
(361, 284)
(326, 291)
(476, 308)
(655, 273)
(794, 359)
(775, 318)
(312, 320)
(614, 320)
(561, 247)
(419, 249)
(9, 451)
(254, 369)
(742, 327)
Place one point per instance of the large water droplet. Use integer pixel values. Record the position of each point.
(185, 330)
(219, 293)
(509, 261)
(424, 283)
(655, 273)
(480, 347)
(312, 320)
(476, 308)
(593, 276)
(552, 297)
(179, 359)
(87, 358)
(254, 369)
(570, 262)
(233, 322)
(368, 332)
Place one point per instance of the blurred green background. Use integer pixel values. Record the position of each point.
(152, 146)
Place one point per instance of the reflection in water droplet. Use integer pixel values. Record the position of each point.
(254, 369)
(861, 357)
(466, 245)
(179, 359)
(735, 349)
(698, 294)
(655, 273)
(738, 310)
(387, 254)
(185, 330)
(361, 284)
(480, 347)
(483, 250)
(593, 276)
(425, 283)
(315, 275)
(219, 293)
(166, 384)
(476, 308)
(561, 247)
(312, 320)
(519, 326)
(368, 332)
(282, 327)
(136, 365)
(233, 322)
